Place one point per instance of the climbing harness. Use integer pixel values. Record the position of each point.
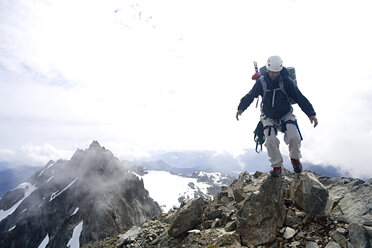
(282, 126)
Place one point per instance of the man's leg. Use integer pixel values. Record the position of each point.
(293, 140)
(272, 146)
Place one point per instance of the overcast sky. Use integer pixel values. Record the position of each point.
(162, 75)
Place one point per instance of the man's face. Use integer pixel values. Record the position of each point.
(274, 75)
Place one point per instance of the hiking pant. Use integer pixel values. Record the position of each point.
(291, 138)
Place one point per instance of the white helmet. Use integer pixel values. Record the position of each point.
(274, 63)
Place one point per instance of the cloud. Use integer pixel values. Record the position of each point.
(169, 75)
(34, 155)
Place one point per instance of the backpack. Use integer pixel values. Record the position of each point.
(291, 74)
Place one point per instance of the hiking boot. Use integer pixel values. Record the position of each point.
(297, 166)
(276, 172)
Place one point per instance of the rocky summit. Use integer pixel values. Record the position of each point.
(70, 203)
(306, 210)
(94, 200)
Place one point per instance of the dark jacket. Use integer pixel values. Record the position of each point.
(281, 104)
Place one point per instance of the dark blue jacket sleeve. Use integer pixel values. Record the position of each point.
(252, 94)
(300, 99)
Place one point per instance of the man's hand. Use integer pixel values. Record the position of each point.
(240, 112)
(314, 120)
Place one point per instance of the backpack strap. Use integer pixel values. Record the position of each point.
(264, 86)
(281, 85)
(265, 90)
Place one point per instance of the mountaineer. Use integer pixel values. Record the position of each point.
(277, 90)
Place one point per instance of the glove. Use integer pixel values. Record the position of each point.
(256, 76)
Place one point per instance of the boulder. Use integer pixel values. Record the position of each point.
(349, 200)
(231, 226)
(339, 238)
(228, 241)
(291, 219)
(359, 236)
(238, 186)
(333, 244)
(131, 234)
(262, 211)
(221, 206)
(289, 233)
(310, 194)
(311, 244)
(187, 218)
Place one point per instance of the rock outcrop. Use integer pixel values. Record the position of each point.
(260, 211)
(187, 217)
(310, 194)
(93, 190)
(100, 196)
(349, 199)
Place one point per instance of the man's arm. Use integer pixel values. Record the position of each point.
(248, 98)
(293, 92)
(302, 101)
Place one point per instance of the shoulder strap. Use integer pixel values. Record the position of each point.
(265, 90)
(281, 85)
(264, 86)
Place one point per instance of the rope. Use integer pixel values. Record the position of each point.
(259, 136)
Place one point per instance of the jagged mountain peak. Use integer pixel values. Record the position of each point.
(95, 158)
(94, 192)
(95, 145)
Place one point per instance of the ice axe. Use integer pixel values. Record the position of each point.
(256, 75)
